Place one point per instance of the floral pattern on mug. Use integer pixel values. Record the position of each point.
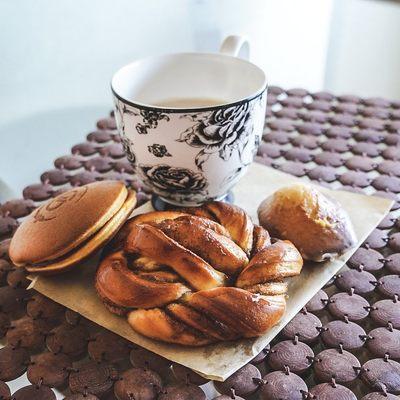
(170, 180)
(120, 111)
(159, 150)
(127, 145)
(222, 131)
(204, 152)
(150, 120)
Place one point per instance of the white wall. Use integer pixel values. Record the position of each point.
(364, 50)
(58, 53)
(61, 53)
(289, 37)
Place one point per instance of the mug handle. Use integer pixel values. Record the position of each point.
(235, 46)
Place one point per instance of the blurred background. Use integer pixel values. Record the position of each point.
(57, 58)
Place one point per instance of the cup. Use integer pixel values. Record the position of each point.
(191, 123)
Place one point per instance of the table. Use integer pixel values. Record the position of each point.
(345, 343)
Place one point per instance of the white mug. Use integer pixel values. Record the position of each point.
(191, 155)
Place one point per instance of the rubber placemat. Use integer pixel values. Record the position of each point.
(344, 344)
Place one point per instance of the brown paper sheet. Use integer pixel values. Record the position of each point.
(75, 290)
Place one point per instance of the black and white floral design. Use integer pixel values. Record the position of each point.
(169, 180)
(159, 150)
(150, 120)
(222, 131)
(190, 156)
(118, 115)
(127, 145)
(120, 111)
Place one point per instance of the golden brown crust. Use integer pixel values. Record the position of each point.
(280, 260)
(190, 249)
(156, 216)
(247, 313)
(232, 218)
(261, 239)
(156, 324)
(149, 241)
(213, 247)
(318, 226)
(269, 288)
(238, 312)
(92, 245)
(65, 222)
(202, 322)
(122, 288)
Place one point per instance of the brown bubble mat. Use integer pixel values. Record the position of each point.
(345, 344)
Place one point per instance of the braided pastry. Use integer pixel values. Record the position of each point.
(197, 276)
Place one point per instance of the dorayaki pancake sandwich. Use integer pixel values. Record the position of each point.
(70, 227)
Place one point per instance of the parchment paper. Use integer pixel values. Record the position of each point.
(75, 290)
